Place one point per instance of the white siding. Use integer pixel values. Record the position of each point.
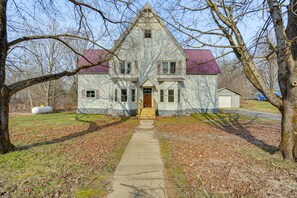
(235, 98)
(198, 92)
(147, 51)
(201, 93)
(94, 82)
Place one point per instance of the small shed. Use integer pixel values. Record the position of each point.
(228, 98)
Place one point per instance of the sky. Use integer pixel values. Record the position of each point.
(30, 17)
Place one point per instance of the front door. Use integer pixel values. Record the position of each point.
(147, 97)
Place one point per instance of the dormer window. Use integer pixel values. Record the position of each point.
(147, 33)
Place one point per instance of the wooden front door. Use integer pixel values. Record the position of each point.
(147, 97)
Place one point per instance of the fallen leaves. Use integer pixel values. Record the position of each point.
(230, 158)
(63, 155)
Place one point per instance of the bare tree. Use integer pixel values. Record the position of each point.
(25, 26)
(232, 76)
(220, 23)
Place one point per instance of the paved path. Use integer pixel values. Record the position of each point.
(256, 114)
(140, 172)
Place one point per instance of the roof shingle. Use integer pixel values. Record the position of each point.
(201, 61)
(94, 56)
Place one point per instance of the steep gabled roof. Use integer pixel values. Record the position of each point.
(135, 21)
(201, 61)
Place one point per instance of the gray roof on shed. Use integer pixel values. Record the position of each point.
(229, 90)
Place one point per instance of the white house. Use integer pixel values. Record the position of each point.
(150, 72)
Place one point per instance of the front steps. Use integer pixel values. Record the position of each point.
(147, 113)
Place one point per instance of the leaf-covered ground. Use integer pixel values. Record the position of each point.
(63, 155)
(224, 155)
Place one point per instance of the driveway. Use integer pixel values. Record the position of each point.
(256, 114)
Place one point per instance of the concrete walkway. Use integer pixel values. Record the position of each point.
(140, 172)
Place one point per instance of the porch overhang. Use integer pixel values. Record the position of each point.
(148, 82)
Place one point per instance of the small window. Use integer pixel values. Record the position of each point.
(90, 94)
(115, 95)
(170, 95)
(161, 95)
(178, 95)
(122, 67)
(125, 67)
(172, 67)
(168, 67)
(147, 33)
(129, 67)
(124, 95)
(133, 95)
(165, 67)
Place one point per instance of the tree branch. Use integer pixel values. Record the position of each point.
(15, 87)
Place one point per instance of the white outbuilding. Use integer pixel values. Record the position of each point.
(228, 98)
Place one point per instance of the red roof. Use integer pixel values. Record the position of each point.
(200, 61)
(93, 56)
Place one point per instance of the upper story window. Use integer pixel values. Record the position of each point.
(147, 33)
(168, 67)
(125, 67)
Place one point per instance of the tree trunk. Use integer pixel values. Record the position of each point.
(288, 144)
(5, 144)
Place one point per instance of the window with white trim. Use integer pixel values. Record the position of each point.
(147, 33)
(123, 95)
(133, 95)
(115, 95)
(90, 94)
(125, 67)
(168, 67)
(170, 95)
(161, 95)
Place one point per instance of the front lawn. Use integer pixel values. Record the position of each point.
(63, 155)
(259, 106)
(224, 155)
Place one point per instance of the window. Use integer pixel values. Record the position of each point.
(178, 95)
(168, 67)
(122, 67)
(125, 67)
(161, 95)
(128, 71)
(90, 94)
(147, 33)
(124, 95)
(165, 67)
(172, 67)
(115, 95)
(133, 95)
(170, 95)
